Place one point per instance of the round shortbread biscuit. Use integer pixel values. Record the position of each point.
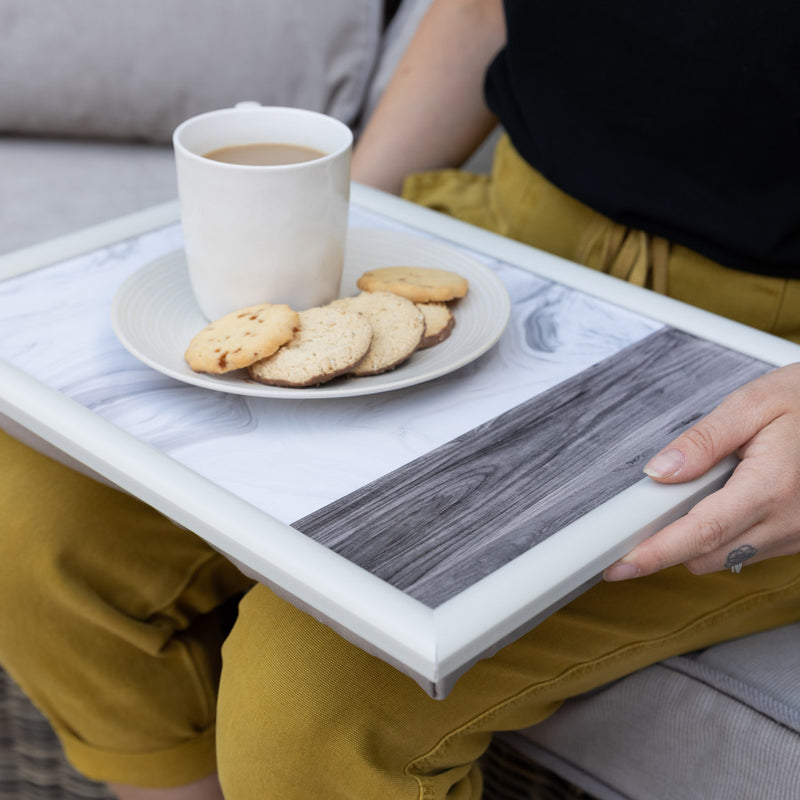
(241, 338)
(418, 284)
(329, 342)
(397, 329)
(439, 321)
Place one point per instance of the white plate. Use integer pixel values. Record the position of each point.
(155, 317)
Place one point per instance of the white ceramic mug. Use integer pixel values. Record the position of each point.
(263, 234)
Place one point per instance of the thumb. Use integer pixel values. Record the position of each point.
(696, 450)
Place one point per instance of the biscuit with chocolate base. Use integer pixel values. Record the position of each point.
(329, 342)
(241, 338)
(418, 284)
(439, 322)
(397, 329)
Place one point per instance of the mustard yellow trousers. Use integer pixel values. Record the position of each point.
(113, 618)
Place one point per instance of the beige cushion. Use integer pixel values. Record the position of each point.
(126, 69)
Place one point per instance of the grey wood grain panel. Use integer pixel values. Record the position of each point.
(444, 521)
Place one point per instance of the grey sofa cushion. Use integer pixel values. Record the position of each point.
(135, 70)
(721, 724)
(51, 187)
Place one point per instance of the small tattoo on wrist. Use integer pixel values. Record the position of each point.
(738, 556)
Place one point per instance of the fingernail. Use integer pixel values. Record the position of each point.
(665, 464)
(621, 572)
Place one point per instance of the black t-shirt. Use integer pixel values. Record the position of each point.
(679, 117)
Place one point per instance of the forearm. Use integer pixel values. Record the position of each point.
(433, 113)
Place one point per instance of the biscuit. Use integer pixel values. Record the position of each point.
(241, 338)
(328, 343)
(418, 284)
(397, 329)
(439, 321)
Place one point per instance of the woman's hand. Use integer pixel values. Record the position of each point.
(756, 515)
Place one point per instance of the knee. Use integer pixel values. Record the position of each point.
(307, 704)
(71, 542)
(307, 714)
(294, 665)
(39, 503)
(48, 510)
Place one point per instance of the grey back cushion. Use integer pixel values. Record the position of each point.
(135, 70)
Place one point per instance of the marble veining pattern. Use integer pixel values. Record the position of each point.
(290, 457)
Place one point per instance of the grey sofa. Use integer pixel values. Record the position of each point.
(87, 101)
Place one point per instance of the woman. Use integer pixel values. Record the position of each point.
(367, 731)
(304, 714)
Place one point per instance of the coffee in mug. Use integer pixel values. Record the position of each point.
(265, 154)
(263, 233)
